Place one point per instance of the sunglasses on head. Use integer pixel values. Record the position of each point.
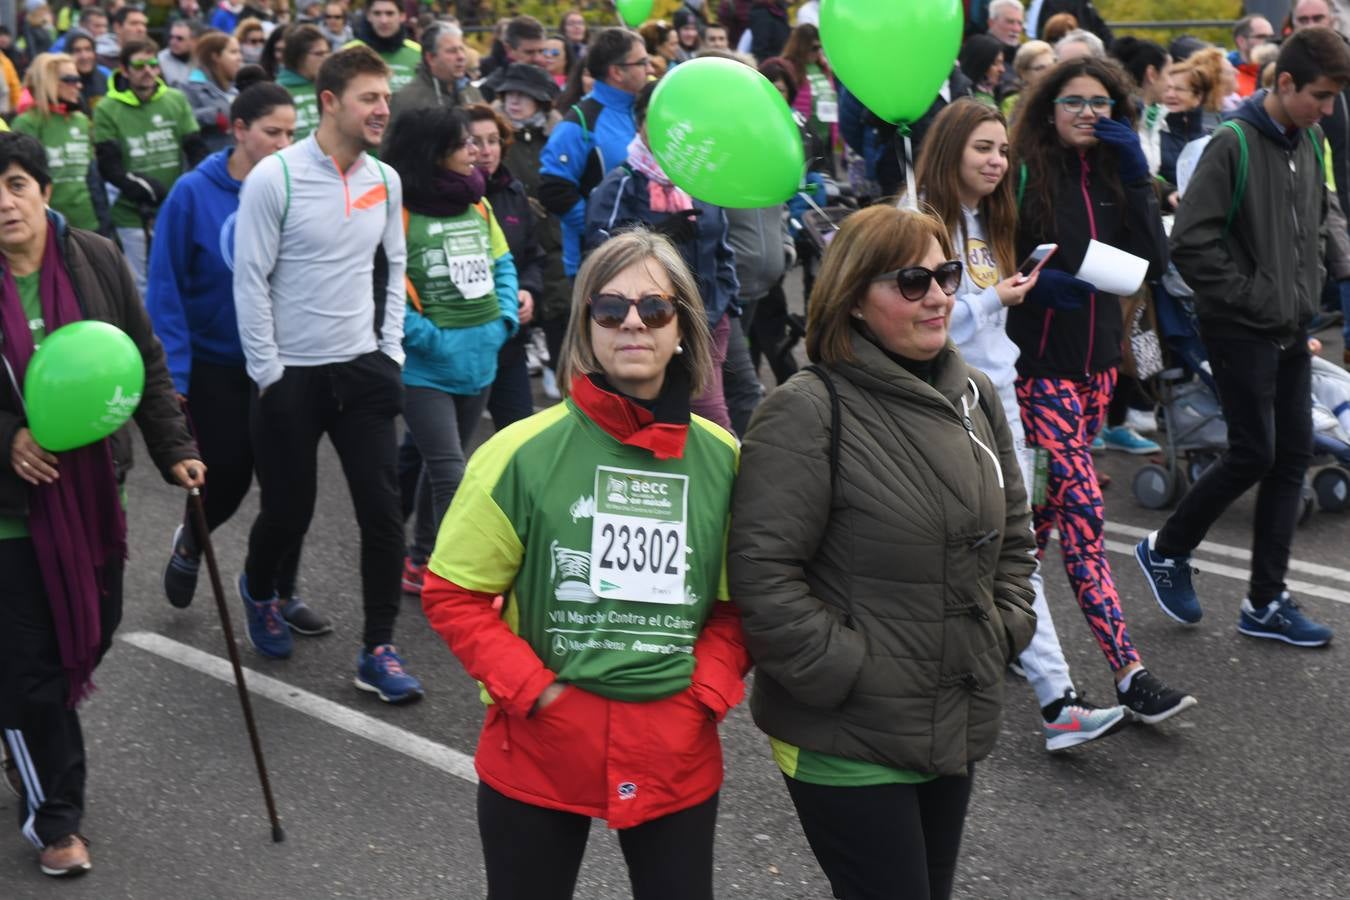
(913, 281)
(611, 310)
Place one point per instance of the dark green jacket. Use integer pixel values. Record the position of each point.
(1264, 277)
(882, 613)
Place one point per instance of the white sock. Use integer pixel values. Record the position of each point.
(1124, 684)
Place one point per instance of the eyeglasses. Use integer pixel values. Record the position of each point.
(645, 61)
(611, 310)
(71, 79)
(150, 63)
(1075, 104)
(337, 18)
(913, 281)
(255, 42)
(551, 51)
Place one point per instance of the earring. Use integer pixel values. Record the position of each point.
(679, 348)
(857, 315)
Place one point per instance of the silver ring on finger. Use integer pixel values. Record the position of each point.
(25, 464)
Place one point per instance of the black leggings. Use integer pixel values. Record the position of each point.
(533, 853)
(888, 841)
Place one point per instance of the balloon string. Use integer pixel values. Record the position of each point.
(910, 198)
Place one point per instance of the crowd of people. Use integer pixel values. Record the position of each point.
(320, 224)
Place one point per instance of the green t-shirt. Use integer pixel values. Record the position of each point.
(402, 62)
(70, 150)
(31, 299)
(838, 771)
(587, 537)
(306, 102)
(824, 101)
(451, 264)
(150, 135)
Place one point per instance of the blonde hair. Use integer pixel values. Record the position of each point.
(871, 242)
(625, 249)
(1027, 54)
(44, 80)
(1203, 71)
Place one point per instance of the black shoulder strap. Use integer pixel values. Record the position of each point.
(824, 376)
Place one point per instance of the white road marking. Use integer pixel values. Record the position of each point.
(1316, 570)
(1297, 588)
(414, 746)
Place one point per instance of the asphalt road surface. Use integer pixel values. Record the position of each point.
(1242, 797)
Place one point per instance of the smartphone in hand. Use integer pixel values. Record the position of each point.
(1035, 259)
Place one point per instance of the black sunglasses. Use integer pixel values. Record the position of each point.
(913, 281)
(611, 310)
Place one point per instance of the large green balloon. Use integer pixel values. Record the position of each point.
(893, 55)
(634, 12)
(82, 384)
(722, 132)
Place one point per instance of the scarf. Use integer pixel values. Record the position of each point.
(537, 121)
(452, 194)
(77, 524)
(661, 428)
(662, 195)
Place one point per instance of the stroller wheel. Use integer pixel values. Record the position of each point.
(1309, 504)
(1155, 487)
(1332, 486)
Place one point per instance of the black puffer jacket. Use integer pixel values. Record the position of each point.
(106, 292)
(882, 610)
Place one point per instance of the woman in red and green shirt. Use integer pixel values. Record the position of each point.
(614, 651)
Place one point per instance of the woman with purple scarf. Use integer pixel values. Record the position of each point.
(62, 528)
(463, 305)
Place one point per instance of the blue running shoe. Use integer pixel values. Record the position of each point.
(382, 673)
(1282, 620)
(1127, 440)
(1169, 577)
(267, 629)
(180, 575)
(1098, 443)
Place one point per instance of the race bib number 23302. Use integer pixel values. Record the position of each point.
(638, 536)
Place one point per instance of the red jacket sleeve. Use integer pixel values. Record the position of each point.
(720, 661)
(482, 641)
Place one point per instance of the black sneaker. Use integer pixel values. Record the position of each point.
(302, 619)
(180, 575)
(1150, 700)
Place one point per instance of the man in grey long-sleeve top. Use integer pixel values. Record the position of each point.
(310, 220)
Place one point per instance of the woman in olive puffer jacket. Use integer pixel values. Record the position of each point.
(884, 592)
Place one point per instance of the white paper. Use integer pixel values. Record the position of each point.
(1187, 161)
(1112, 270)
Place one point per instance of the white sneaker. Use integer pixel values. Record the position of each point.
(549, 382)
(1142, 421)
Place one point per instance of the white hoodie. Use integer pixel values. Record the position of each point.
(979, 318)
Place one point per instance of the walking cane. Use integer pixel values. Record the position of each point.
(204, 542)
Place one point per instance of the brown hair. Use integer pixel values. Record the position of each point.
(208, 50)
(1203, 71)
(481, 112)
(938, 176)
(870, 242)
(1057, 26)
(630, 248)
(340, 68)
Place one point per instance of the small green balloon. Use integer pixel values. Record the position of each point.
(892, 55)
(722, 132)
(82, 384)
(634, 12)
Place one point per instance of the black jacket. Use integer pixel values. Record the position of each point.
(1082, 10)
(1182, 128)
(1087, 340)
(517, 216)
(1263, 277)
(106, 292)
(769, 29)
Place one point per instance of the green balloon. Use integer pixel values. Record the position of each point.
(722, 132)
(893, 55)
(634, 12)
(82, 384)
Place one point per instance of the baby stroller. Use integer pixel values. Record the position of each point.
(1194, 425)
